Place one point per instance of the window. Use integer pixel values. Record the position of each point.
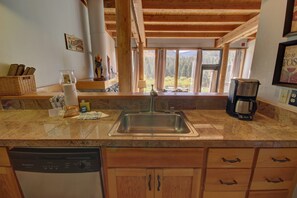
(187, 60)
(211, 61)
(169, 81)
(149, 68)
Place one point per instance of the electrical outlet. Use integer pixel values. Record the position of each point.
(293, 98)
(283, 96)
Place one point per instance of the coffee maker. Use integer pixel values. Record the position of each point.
(242, 98)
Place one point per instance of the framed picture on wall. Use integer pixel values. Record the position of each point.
(73, 43)
(285, 72)
(290, 27)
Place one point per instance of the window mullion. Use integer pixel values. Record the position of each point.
(176, 69)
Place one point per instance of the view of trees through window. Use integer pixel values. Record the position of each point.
(149, 68)
(187, 59)
(170, 70)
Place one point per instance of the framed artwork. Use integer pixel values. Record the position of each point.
(285, 72)
(291, 18)
(73, 43)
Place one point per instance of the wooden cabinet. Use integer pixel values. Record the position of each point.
(153, 173)
(228, 172)
(150, 183)
(9, 187)
(269, 194)
(220, 194)
(230, 158)
(275, 173)
(8, 184)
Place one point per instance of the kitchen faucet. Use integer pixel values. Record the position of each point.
(153, 94)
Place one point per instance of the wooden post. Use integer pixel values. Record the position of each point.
(124, 58)
(141, 69)
(223, 68)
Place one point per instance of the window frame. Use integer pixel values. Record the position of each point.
(215, 67)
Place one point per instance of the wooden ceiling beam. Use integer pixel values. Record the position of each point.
(202, 4)
(191, 28)
(206, 35)
(189, 18)
(139, 21)
(184, 28)
(194, 4)
(246, 29)
(195, 18)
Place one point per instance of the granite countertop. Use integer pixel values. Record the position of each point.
(35, 128)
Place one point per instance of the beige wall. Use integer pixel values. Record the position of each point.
(32, 33)
(268, 37)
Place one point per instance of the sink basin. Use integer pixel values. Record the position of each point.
(157, 124)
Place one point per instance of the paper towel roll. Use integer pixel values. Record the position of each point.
(70, 94)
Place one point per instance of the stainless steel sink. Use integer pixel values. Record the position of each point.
(153, 124)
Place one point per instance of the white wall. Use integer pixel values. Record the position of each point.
(268, 37)
(248, 59)
(111, 52)
(32, 33)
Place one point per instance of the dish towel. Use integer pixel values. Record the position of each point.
(92, 115)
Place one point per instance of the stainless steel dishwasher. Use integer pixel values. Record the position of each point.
(62, 172)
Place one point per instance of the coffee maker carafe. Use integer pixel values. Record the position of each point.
(242, 98)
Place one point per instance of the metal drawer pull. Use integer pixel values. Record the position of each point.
(149, 182)
(236, 160)
(159, 182)
(281, 160)
(275, 180)
(234, 182)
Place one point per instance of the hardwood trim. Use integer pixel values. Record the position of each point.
(190, 28)
(246, 29)
(158, 175)
(154, 157)
(242, 63)
(112, 183)
(196, 183)
(223, 68)
(4, 159)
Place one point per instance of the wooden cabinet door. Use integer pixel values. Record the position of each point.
(182, 182)
(8, 184)
(130, 183)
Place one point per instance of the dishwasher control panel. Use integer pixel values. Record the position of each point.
(72, 160)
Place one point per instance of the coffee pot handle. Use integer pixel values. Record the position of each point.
(254, 106)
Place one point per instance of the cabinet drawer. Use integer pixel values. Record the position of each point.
(269, 194)
(224, 194)
(227, 179)
(4, 160)
(277, 158)
(230, 158)
(154, 157)
(273, 178)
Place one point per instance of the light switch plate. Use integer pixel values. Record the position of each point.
(293, 98)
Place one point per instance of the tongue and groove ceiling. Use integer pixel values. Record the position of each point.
(206, 19)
